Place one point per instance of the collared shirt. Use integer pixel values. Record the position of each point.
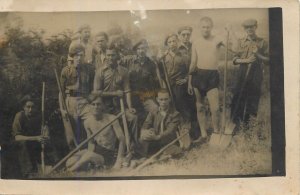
(77, 79)
(246, 46)
(99, 59)
(106, 138)
(142, 73)
(186, 50)
(112, 79)
(176, 65)
(89, 47)
(205, 53)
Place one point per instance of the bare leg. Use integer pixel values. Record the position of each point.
(71, 161)
(213, 100)
(201, 115)
(88, 156)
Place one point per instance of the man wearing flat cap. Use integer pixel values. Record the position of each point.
(252, 55)
(83, 37)
(143, 78)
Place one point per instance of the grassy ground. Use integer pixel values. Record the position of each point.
(249, 152)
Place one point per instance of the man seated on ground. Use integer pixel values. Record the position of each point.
(101, 148)
(160, 127)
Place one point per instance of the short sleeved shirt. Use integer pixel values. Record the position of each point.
(22, 125)
(112, 79)
(78, 79)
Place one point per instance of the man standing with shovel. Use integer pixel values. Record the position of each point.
(252, 54)
(204, 79)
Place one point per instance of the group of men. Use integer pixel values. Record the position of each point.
(161, 95)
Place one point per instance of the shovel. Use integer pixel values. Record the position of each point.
(215, 138)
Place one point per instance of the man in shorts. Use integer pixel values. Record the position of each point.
(204, 77)
(101, 148)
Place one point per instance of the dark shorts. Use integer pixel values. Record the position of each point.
(107, 154)
(205, 80)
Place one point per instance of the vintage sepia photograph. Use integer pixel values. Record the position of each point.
(141, 94)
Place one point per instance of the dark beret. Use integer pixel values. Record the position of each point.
(141, 41)
(249, 22)
(185, 28)
(75, 48)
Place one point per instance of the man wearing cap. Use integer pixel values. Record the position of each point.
(77, 81)
(113, 80)
(83, 37)
(101, 40)
(204, 76)
(26, 131)
(101, 148)
(185, 46)
(252, 54)
(176, 71)
(143, 79)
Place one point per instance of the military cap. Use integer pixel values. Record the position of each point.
(249, 22)
(75, 48)
(85, 26)
(141, 41)
(169, 36)
(185, 28)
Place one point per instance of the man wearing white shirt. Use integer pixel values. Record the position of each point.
(204, 76)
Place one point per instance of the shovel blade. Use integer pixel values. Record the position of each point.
(225, 141)
(215, 139)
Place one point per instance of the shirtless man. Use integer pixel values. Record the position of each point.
(101, 149)
(204, 77)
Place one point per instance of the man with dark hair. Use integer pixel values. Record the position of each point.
(143, 79)
(101, 148)
(160, 126)
(26, 131)
(252, 55)
(176, 71)
(113, 80)
(77, 81)
(101, 41)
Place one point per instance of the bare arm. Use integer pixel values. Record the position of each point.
(194, 59)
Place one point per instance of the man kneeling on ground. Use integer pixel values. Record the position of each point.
(101, 149)
(160, 127)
